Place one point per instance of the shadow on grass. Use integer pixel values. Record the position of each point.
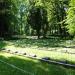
(32, 66)
(38, 42)
(2, 44)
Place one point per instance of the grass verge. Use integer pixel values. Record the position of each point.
(34, 66)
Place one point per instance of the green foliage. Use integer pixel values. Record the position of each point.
(71, 18)
(37, 18)
(5, 7)
(48, 15)
(56, 16)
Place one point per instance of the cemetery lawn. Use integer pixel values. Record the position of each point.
(34, 67)
(53, 48)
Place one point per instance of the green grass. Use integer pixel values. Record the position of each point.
(39, 47)
(42, 47)
(39, 43)
(2, 44)
(34, 66)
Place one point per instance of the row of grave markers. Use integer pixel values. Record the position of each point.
(45, 59)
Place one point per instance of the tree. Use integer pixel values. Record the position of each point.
(42, 16)
(71, 18)
(14, 14)
(37, 18)
(5, 7)
(56, 15)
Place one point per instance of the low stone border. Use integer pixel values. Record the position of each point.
(45, 59)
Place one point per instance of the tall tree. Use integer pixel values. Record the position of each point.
(5, 6)
(71, 18)
(37, 18)
(56, 15)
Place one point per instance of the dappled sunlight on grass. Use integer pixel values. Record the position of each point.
(42, 43)
(43, 53)
(43, 48)
(35, 67)
(38, 43)
(7, 55)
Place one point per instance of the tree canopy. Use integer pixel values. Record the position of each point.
(71, 18)
(47, 17)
